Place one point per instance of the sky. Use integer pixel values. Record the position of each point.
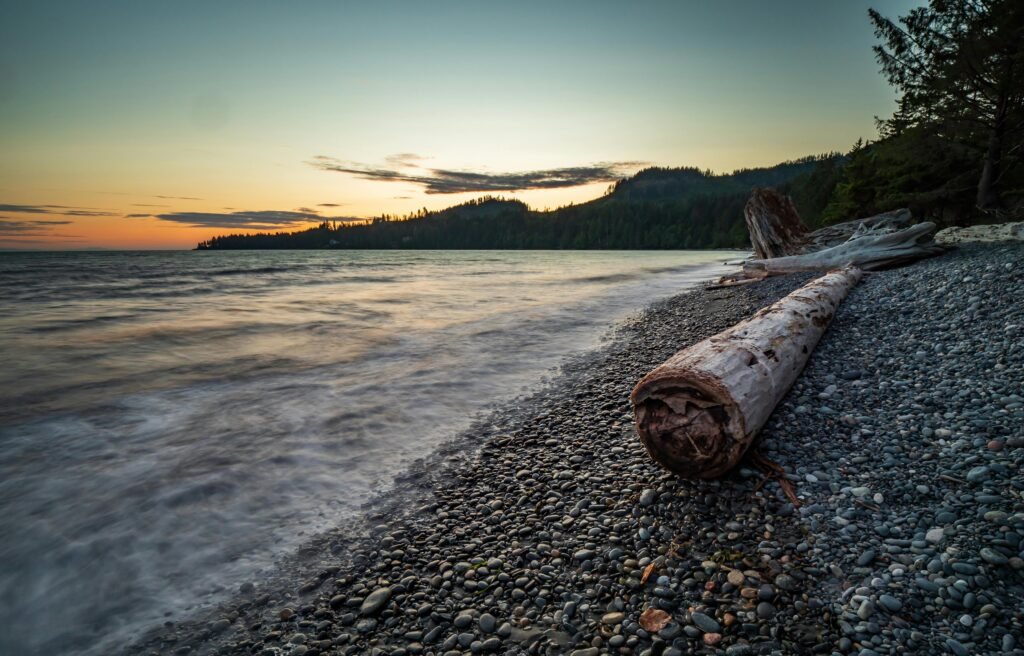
(149, 124)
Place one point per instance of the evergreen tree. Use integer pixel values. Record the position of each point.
(959, 66)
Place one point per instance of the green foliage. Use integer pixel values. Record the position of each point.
(959, 68)
(812, 191)
(913, 169)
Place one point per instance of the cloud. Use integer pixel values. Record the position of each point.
(176, 197)
(250, 220)
(405, 159)
(62, 210)
(22, 241)
(448, 181)
(136, 216)
(329, 204)
(15, 228)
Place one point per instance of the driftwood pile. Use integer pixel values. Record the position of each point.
(783, 244)
(698, 413)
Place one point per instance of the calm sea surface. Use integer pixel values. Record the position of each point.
(172, 422)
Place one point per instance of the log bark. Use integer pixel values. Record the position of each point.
(866, 251)
(775, 227)
(699, 412)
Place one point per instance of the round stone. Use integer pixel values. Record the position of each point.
(375, 601)
(488, 623)
(993, 557)
(705, 622)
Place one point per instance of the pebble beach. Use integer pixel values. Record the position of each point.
(546, 529)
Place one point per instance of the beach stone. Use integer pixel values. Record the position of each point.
(375, 601)
(712, 639)
(488, 623)
(890, 603)
(705, 623)
(993, 557)
(977, 474)
(647, 497)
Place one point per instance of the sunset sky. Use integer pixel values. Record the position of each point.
(156, 125)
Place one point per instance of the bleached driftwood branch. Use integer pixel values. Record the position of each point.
(698, 412)
(783, 244)
(867, 251)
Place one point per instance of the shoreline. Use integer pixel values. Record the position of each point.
(537, 541)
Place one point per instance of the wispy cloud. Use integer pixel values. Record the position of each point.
(247, 219)
(404, 167)
(16, 228)
(59, 210)
(176, 197)
(405, 159)
(18, 241)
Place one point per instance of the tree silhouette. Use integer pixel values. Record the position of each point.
(959, 66)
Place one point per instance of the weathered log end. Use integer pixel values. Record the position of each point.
(775, 227)
(688, 432)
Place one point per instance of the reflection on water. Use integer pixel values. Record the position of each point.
(172, 422)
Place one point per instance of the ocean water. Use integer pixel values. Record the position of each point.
(173, 422)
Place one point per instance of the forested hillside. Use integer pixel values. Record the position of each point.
(662, 208)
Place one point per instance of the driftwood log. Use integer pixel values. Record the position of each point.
(783, 244)
(699, 412)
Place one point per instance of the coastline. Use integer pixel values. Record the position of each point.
(532, 530)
